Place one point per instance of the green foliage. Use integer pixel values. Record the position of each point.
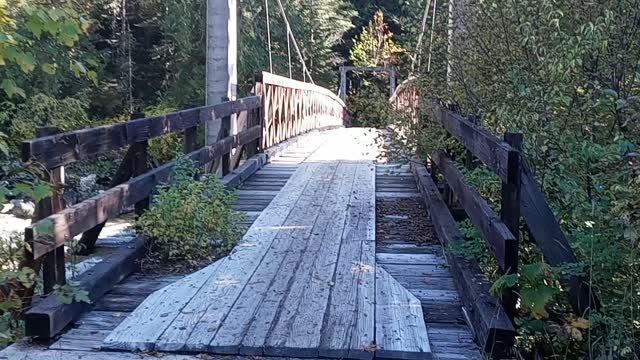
(163, 149)
(565, 74)
(42, 110)
(39, 37)
(370, 108)
(375, 46)
(191, 218)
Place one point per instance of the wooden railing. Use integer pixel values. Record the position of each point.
(520, 198)
(293, 107)
(287, 108)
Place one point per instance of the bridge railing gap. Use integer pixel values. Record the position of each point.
(521, 198)
(280, 108)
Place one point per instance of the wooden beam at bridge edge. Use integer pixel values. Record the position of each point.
(488, 318)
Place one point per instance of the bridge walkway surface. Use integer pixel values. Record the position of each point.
(332, 265)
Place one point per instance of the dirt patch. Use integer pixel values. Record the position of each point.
(404, 219)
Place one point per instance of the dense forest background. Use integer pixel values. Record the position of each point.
(566, 74)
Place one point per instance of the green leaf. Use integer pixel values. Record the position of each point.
(503, 283)
(41, 190)
(610, 93)
(535, 300)
(82, 296)
(35, 25)
(10, 88)
(26, 61)
(49, 68)
(44, 227)
(93, 76)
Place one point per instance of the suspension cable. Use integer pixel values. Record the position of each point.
(295, 43)
(266, 8)
(433, 25)
(418, 54)
(289, 55)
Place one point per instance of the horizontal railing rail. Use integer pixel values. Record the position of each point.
(521, 196)
(63, 149)
(279, 109)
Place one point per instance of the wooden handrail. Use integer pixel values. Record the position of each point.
(292, 107)
(495, 233)
(506, 162)
(85, 215)
(61, 149)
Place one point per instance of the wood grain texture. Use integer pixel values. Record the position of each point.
(231, 278)
(142, 328)
(57, 150)
(489, 320)
(400, 329)
(297, 330)
(493, 231)
(48, 317)
(85, 215)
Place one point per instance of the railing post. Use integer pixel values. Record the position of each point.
(53, 263)
(190, 139)
(257, 117)
(469, 158)
(140, 166)
(510, 213)
(225, 129)
(87, 242)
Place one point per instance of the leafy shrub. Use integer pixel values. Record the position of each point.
(191, 218)
(42, 110)
(370, 107)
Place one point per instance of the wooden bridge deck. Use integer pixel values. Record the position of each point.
(302, 282)
(311, 278)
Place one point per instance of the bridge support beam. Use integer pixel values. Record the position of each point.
(222, 44)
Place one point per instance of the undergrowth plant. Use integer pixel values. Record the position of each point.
(191, 219)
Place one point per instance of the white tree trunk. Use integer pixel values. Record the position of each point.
(222, 69)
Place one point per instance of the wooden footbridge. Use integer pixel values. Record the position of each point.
(344, 256)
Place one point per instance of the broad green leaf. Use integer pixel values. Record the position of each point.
(44, 227)
(535, 300)
(49, 68)
(35, 25)
(26, 61)
(93, 76)
(502, 283)
(41, 190)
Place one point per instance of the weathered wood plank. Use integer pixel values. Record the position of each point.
(341, 313)
(400, 329)
(196, 326)
(494, 232)
(489, 320)
(552, 242)
(83, 216)
(361, 221)
(251, 247)
(489, 149)
(62, 149)
(298, 328)
(139, 331)
(362, 338)
(48, 317)
(271, 308)
(410, 259)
